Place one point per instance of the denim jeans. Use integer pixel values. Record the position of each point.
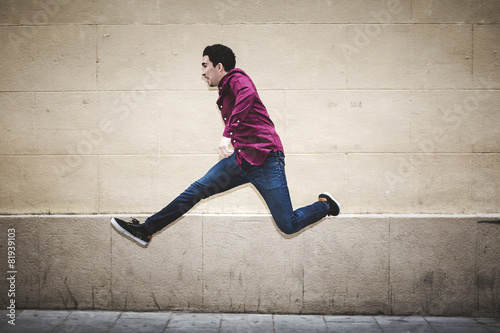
(269, 179)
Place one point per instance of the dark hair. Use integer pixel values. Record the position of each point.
(221, 54)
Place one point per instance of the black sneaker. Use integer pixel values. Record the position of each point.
(334, 205)
(132, 229)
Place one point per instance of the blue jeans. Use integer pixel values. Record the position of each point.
(269, 179)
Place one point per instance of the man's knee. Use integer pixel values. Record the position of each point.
(286, 227)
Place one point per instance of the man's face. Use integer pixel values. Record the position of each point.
(209, 72)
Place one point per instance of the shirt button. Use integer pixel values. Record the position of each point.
(238, 121)
(231, 133)
(225, 118)
(234, 140)
(239, 150)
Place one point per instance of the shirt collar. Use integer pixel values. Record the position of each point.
(228, 75)
(223, 80)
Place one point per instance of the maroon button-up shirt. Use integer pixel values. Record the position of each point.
(246, 120)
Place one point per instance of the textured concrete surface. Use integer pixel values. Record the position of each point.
(390, 105)
(437, 265)
(373, 100)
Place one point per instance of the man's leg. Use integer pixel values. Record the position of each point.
(270, 180)
(223, 176)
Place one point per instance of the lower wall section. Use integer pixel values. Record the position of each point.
(354, 264)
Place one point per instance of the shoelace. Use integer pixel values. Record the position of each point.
(135, 222)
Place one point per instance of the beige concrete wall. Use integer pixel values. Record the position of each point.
(355, 264)
(103, 109)
(392, 106)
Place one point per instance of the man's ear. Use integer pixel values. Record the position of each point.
(220, 67)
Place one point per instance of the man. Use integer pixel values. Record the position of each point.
(251, 151)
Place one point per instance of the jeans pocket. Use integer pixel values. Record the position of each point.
(274, 157)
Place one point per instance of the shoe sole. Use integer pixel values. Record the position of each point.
(331, 197)
(119, 228)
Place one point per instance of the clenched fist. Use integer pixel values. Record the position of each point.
(225, 147)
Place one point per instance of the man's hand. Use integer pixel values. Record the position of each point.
(225, 147)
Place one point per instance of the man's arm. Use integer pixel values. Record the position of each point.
(245, 95)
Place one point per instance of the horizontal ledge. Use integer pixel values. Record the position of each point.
(289, 22)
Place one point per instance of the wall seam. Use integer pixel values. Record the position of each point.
(348, 59)
(389, 294)
(34, 124)
(39, 301)
(202, 263)
(472, 54)
(96, 59)
(477, 267)
(111, 266)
